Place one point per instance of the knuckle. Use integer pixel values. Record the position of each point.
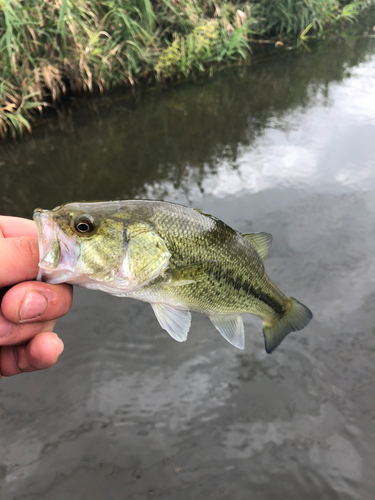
(28, 246)
(8, 361)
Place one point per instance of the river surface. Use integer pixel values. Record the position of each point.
(285, 146)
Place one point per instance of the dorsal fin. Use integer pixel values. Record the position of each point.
(261, 242)
(200, 211)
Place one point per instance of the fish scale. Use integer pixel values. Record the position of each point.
(176, 258)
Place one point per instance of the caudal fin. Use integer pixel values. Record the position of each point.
(295, 319)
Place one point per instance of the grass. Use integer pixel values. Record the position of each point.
(49, 47)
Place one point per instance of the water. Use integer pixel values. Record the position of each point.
(285, 146)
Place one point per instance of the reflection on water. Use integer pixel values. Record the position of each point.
(158, 141)
(287, 147)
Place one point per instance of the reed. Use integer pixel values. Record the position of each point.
(49, 47)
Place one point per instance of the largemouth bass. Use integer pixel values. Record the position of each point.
(176, 258)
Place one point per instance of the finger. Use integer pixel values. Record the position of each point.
(34, 301)
(13, 333)
(18, 260)
(13, 227)
(40, 353)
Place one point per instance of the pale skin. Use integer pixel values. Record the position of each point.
(28, 308)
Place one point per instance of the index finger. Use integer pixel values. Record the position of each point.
(13, 227)
(18, 260)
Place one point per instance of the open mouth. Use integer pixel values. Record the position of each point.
(56, 250)
(49, 246)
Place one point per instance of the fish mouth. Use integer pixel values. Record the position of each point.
(56, 250)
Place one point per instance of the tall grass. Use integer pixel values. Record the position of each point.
(48, 47)
(291, 17)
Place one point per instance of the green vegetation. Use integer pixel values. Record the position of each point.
(49, 47)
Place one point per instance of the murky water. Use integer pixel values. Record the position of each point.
(286, 146)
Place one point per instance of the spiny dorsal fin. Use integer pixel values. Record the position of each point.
(261, 242)
(175, 320)
(231, 328)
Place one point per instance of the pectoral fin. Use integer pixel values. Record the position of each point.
(231, 328)
(261, 242)
(186, 275)
(147, 255)
(173, 319)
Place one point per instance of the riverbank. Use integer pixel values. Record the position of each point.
(50, 48)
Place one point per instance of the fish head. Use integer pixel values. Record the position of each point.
(80, 243)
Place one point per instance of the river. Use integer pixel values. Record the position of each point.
(286, 146)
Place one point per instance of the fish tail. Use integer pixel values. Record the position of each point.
(296, 318)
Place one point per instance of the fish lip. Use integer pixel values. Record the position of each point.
(45, 227)
(50, 235)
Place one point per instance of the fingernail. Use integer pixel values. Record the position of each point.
(6, 327)
(60, 343)
(33, 306)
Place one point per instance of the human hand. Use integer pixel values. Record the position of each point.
(28, 308)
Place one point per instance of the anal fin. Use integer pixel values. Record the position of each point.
(173, 319)
(231, 328)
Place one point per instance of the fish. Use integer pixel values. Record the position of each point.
(177, 258)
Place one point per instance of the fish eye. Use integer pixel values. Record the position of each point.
(84, 224)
